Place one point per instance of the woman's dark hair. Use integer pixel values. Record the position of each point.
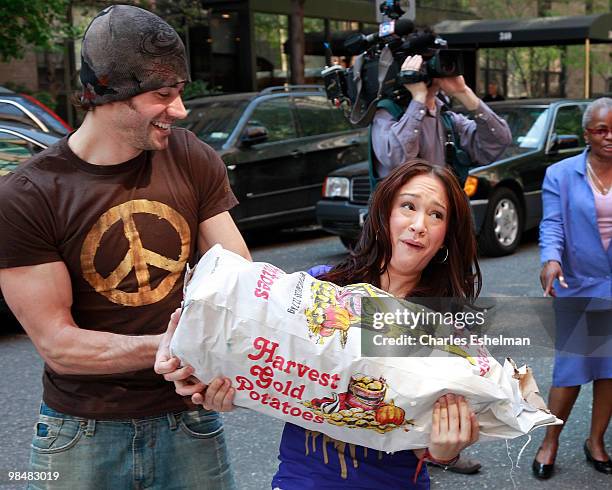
(459, 276)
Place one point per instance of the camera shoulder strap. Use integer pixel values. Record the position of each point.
(455, 156)
(396, 112)
(450, 143)
(391, 107)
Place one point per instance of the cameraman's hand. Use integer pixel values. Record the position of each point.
(456, 87)
(453, 85)
(417, 90)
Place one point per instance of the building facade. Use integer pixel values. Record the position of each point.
(243, 45)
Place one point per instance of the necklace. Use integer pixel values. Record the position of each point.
(598, 183)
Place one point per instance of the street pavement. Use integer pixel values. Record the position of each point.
(253, 439)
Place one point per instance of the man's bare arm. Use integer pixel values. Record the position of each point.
(40, 296)
(219, 394)
(222, 229)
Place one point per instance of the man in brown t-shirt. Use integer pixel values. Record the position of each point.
(96, 232)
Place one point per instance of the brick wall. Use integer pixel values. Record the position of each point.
(21, 72)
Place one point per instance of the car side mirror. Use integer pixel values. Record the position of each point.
(253, 135)
(562, 141)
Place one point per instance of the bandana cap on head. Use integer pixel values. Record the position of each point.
(127, 51)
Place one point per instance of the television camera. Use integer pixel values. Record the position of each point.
(376, 70)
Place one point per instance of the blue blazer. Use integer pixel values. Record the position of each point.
(569, 232)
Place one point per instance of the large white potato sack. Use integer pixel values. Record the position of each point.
(291, 346)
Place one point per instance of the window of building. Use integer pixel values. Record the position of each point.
(200, 44)
(493, 65)
(225, 42)
(343, 25)
(313, 64)
(339, 31)
(271, 32)
(522, 72)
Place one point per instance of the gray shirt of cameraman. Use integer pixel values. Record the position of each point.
(419, 133)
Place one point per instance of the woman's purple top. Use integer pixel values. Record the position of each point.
(310, 460)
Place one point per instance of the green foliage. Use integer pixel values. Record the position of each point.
(268, 27)
(312, 24)
(198, 88)
(17, 87)
(31, 22)
(46, 98)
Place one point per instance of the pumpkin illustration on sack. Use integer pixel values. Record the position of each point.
(362, 406)
(390, 414)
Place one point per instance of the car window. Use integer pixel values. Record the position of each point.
(14, 150)
(213, 121)
(275, 115)
(569, 122)
(527, 125)
(10, 112)
(48, 119)
(317, 115)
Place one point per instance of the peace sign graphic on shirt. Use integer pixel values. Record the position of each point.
(138, 258)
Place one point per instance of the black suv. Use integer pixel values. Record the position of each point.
(279, 145)
(505, 196)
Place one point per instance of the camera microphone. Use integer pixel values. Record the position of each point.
(358, 43)
(419, 42)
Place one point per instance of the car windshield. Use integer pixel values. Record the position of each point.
(528, 126)
(213, 121)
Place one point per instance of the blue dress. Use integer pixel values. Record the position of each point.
(310, 460)
(583, 312)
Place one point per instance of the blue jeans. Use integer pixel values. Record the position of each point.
(183, 450)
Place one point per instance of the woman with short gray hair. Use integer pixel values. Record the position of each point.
(604, 103)
(575, 236)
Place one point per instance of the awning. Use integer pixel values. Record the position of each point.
(542, 31)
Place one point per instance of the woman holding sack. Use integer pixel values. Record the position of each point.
(417, 241)
(575, 236)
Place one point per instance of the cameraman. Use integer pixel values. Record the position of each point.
(421, 132)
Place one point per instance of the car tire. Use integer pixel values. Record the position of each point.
(349, 243)
(503, 224)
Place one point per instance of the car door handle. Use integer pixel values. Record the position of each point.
(231, 167)
(296, 153)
